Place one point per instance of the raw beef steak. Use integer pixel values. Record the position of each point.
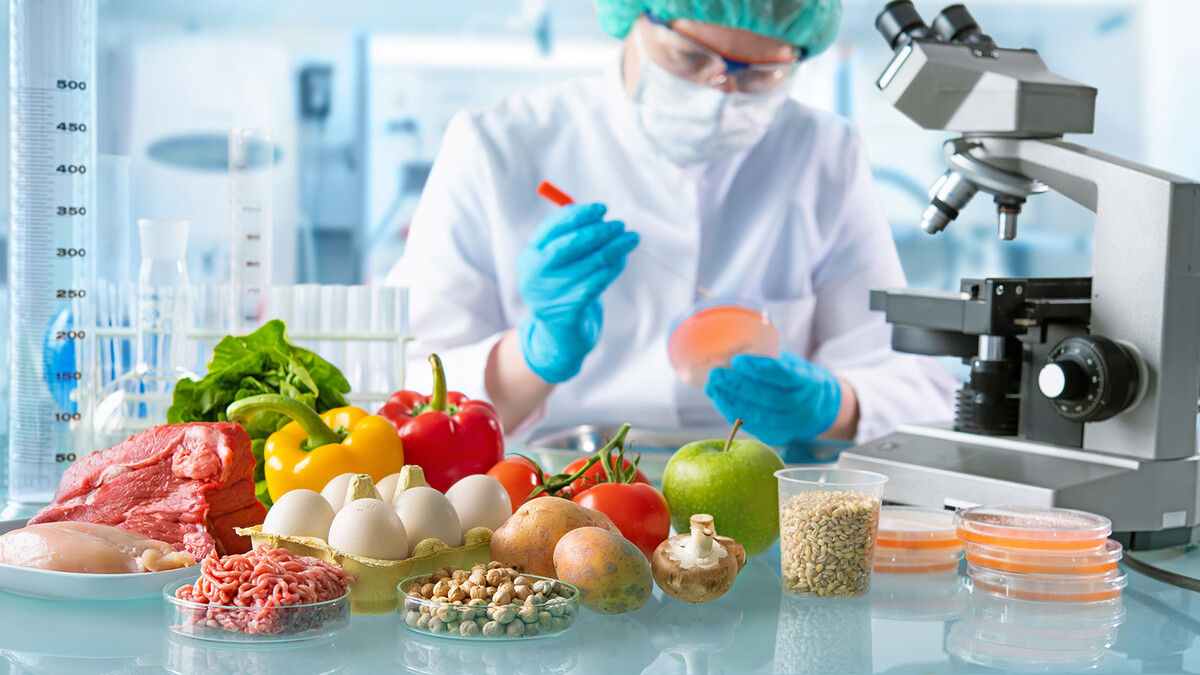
(186, 484)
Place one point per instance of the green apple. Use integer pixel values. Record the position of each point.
(734, 481)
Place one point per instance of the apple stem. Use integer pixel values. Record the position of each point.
(729, 443)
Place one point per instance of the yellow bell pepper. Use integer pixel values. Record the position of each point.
(313, 449)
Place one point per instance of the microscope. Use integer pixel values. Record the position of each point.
(1082, 391)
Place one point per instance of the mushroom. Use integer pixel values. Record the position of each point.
(699, 566)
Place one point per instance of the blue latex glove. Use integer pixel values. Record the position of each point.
(778, 400)
(573, 255)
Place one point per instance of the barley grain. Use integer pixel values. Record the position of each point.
(827, 541)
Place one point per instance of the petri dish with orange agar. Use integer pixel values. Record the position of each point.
(1060, 563)
(906, 561)
(713, 332)
(1086, 588)
(1033, 528)
(913, 527)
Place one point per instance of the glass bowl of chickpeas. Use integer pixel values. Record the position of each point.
(487, 602)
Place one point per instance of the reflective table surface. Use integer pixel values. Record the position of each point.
(908, 623)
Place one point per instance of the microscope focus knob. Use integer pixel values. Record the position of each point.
(1089, 379)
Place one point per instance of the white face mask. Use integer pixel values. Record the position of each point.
(692, 123)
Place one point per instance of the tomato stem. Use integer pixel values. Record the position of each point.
(555, 484)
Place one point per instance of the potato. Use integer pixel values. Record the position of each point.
(612, 574)
(526, 540)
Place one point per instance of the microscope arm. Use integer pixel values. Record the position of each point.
(1145, 279)
(1080, 173)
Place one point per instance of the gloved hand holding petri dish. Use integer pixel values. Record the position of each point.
(712, 332)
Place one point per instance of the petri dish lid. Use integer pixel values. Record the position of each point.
(1032, 527)
(916, 527)
(1084, 588)
(1052, 562)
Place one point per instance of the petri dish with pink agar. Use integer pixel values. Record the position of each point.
(1035, 528)
(712, 332)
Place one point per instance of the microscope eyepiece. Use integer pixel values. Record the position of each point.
(955, 24)
(899, 23)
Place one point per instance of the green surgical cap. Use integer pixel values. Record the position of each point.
(808, 24)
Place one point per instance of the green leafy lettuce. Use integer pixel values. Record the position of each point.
(263, 362)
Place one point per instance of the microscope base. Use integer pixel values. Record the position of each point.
(1153, 502)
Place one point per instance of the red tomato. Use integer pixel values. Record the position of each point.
(518, 476)
(638, 510)
(595, 475)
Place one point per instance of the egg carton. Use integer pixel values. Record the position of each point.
(374, 590)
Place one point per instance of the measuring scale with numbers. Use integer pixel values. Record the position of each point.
(251, 197)
(52, 127)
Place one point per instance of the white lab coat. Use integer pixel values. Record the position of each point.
(793, 224)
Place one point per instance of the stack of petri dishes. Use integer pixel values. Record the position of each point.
(1041, 554)
(914, 540)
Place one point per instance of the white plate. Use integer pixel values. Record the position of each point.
(50, 585)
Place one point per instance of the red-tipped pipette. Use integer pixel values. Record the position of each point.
(547, 190)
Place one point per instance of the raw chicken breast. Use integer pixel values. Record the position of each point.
(89, 548)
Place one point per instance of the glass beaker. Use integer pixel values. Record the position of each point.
(139, 399)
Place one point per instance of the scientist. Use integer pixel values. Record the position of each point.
(690, 149)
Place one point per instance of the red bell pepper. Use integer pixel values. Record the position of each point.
(446, 434)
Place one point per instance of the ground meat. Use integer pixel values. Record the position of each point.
(245, 592)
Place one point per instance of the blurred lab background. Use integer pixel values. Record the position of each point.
(358, 93)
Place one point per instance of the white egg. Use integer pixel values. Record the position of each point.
(299, 513)
(480, 501)
(387, 487)
(334, 491)
(427, 513)
(370, 528)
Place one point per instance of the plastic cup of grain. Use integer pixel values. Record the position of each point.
(712, 332)
(828, 524)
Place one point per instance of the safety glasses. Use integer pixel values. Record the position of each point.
(688, 58)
